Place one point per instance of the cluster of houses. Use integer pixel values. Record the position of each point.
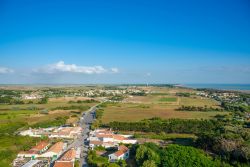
(96, 92)
(32, 96)
(45, 153)
(54, 132)
(108, 139)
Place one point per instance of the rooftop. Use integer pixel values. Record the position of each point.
(63, 164)
(69, 155)
(40, 146)
(56, 148)
(121, 150)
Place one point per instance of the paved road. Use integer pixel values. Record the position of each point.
(85, 122)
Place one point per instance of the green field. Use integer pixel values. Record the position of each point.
(168, 99)
(136, 112)
(162, 104)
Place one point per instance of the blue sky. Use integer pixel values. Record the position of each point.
(125, 41)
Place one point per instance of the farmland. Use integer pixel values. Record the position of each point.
(162, 104)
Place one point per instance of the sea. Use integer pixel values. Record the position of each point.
(239, 87)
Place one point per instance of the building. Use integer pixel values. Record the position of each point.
(121, 154)
(36, 163)
(63, 164)
(106, 138)
(96, 143)
(54, 132)
(55, 151)
(35, 151)
(70, 155)
(67, 160)
(37, 132)
(66, 132)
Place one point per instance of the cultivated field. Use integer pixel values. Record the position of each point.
(162, 103)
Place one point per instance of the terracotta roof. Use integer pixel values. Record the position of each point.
(106, 131)
(108, 144)
(119, 137)
(56, 148)
(104, 135)
(63, 164)
(40, 146)
(67, 131)
(96, 142)
(121, 150)
(69, 155)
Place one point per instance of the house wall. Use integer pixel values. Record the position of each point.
(107, 139)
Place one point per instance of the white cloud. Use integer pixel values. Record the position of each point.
(114, 70)
(72, 68)
(4, 70)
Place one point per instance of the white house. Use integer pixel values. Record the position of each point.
(36, 151)
(121, 154)
(107, 138)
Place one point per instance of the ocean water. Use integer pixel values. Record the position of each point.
(221, 86)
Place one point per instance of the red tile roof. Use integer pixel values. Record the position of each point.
(40, 146)
(63, 164)
(69, 155)
(121, 150)
(56, 148)
(119, 137)
(104, 135)
(96, 142)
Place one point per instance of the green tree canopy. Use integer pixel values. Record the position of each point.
(175, 155)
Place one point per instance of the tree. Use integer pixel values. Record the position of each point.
(144, 153)
(43, 100)
(175, 155)
(149, 163)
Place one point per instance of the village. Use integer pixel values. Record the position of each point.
(59, 148)
(101, 92)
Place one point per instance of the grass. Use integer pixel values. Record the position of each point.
(168, 99)
(10, 145)
(162, 103)
(134, 112)
(198, 101)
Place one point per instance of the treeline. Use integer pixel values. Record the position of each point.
(183, 94)
(142, 93)
(116, 98)
(151, 155)
(198, 108)
(10, 100)
(83, 101)
(231, 145)
(73, 107)
(234, 107)
(168, 126)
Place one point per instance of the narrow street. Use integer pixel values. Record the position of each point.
(85, 122)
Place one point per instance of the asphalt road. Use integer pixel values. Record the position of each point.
(85, 122)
